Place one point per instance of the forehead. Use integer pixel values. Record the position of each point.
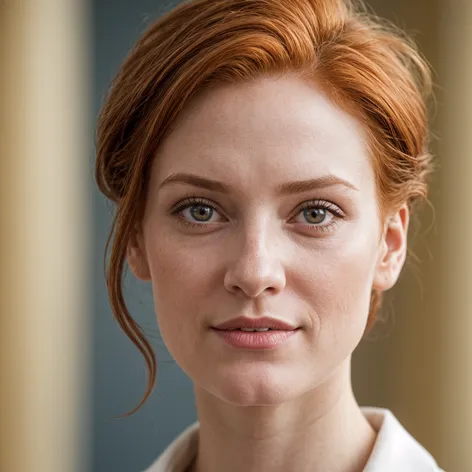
(272, 130)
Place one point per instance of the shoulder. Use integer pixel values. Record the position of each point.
(395, 448)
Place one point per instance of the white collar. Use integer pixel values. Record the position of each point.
(394, 450)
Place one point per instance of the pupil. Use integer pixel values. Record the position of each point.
(315, 215)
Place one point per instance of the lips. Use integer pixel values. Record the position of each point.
(267, 340)
(259, 322)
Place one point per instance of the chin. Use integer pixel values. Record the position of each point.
(256, 386)
(255, 397)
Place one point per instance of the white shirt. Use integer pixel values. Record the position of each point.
(395, 450)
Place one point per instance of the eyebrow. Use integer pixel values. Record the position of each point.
(288, 188)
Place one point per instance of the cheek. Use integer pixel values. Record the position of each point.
(336, 283)
(184, 279)
(180, 273)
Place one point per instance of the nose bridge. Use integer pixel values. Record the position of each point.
(256, 264)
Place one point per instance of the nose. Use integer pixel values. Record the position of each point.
(255, 265)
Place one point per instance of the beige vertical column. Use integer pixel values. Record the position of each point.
(43, 235)
(456, 227)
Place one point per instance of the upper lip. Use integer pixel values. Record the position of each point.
(260, 322)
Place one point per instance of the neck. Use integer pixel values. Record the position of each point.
(323, 429)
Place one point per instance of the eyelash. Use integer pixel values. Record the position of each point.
(195, 201)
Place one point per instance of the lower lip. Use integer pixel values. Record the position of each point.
(255, 339)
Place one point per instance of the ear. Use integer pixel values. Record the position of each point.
(392, 250)
(136, 256)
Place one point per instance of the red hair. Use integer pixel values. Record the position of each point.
(368, 68)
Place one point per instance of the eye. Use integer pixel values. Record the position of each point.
(316, 216)
(200, 213)
(319, 214)
(195, 211)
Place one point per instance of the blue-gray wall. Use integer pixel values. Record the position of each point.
(132, 443)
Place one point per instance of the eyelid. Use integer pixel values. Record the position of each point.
(191, 200)
(318, 203)
(195, 200)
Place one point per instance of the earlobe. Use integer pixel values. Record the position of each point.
(392, 251)
(136, 257)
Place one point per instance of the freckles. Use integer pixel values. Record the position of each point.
(336, 281)
(169, 257)
(183, 277)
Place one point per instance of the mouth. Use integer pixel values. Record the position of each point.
(256, 338)
(264, 323)
(249, 330)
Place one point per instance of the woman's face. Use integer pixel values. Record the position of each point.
(262, 201)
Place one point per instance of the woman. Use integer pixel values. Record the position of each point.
(265, 157)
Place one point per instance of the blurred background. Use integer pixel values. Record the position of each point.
(66, 369)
